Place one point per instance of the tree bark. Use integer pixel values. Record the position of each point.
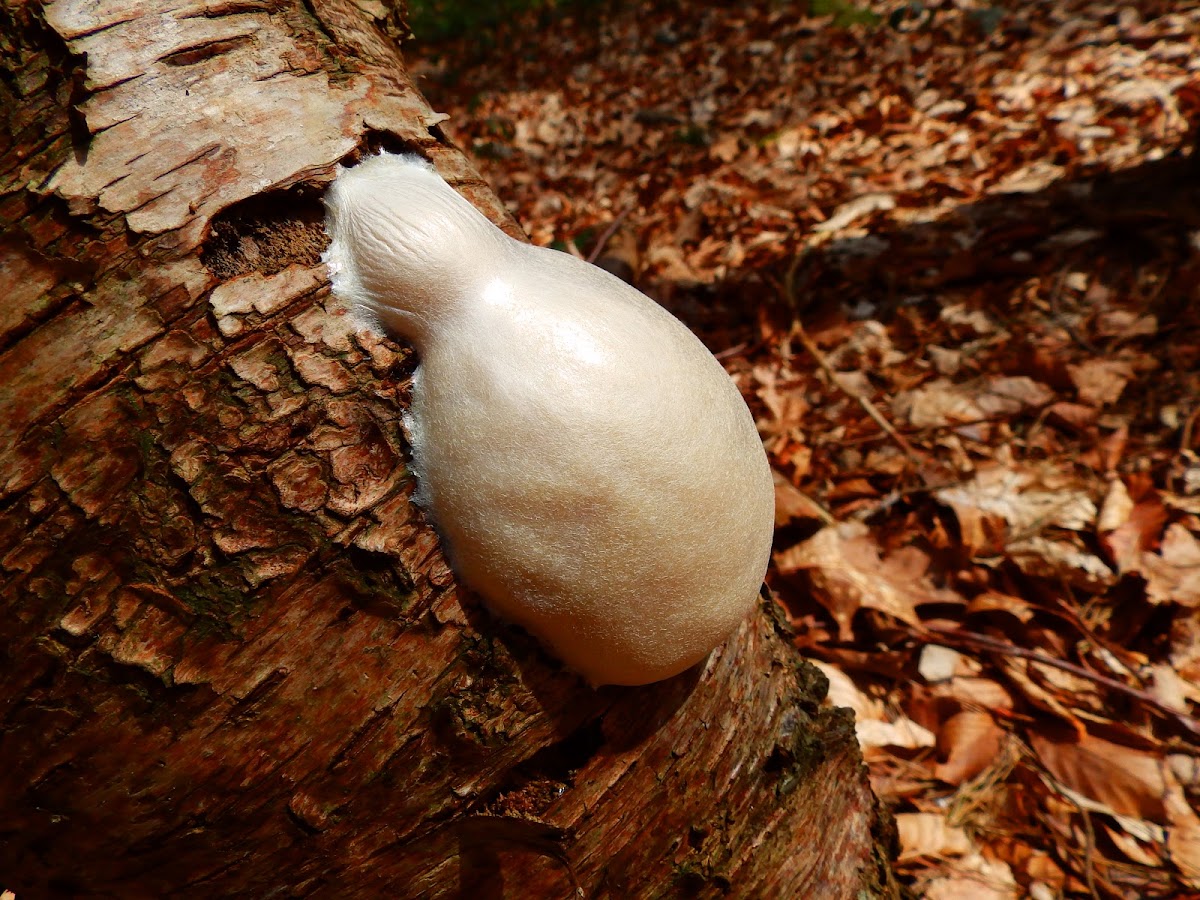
(234, 661)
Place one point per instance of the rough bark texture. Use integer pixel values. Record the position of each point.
(234, 661)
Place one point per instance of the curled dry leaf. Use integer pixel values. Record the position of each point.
(1029, 504)
(938, 403)
(786, 405)
(1125, 323)
(1072, 417)
(994, 601)
(970, 742)
(1171, 690)
(1008, 395)
(1030, 179)
(974, 319)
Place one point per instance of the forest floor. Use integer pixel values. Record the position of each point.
(952, 259)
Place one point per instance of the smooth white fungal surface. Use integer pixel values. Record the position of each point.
(591, 468)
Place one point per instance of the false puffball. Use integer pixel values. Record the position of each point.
(592, 470)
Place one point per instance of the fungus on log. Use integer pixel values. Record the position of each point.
(234, 659)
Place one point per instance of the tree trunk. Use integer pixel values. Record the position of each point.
(235, 662)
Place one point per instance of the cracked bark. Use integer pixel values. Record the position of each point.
(234, 660)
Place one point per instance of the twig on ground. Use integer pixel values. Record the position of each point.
(970, 638)
(606, 235)
(823, 361)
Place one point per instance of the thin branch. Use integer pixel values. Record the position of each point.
(982, 641)
(606, 235)
(864, 402)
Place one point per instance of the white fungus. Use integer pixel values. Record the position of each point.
(593, 472)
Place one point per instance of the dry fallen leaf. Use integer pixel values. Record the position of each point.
(977, 878)
(1036, 177)
(902, 733)
(929, 834)
(871, 724)
(846, 573)
(1128, 530)
(1173, 574)
(994, 601)
(970, 741)
(1101, 381)
(1018, 672)
(1116, 508)
(1021, 500)
(1183, 833)
(1127, 781)
(1061, 561)
(791, 505)
(1140, 852)
(860, 207)
(940, 402)
(978, 693)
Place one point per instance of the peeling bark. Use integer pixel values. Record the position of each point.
(234, 659)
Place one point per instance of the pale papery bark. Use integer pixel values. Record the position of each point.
(234, 661)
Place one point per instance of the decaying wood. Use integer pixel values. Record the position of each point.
(234, 661)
